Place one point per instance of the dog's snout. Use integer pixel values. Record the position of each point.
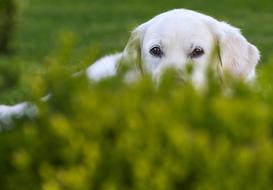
(178, 64)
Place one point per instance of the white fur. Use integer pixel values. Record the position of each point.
(106, 66)
(8, 113)
(177, 32)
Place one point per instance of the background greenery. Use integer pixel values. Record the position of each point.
(106, 23)
(111, 135)
(105, 26)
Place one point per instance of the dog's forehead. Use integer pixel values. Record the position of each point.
(181, 14)
(177, 28)
(178, 24)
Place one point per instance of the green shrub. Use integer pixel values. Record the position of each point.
(7, 23)
(111, 135)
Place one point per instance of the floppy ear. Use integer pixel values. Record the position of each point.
(132, 52)
(237, 55)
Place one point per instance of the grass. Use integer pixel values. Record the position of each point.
(105, 25)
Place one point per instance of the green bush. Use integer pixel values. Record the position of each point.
(7, 23)
(111, 135)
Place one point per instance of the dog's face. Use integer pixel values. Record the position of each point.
(174, 41)
(180, 37)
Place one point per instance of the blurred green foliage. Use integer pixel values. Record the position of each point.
(112, 135)
(7, 24)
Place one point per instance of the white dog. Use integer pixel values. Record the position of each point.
(174, 39)
(178, 37)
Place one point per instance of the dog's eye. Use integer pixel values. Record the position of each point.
(197, 52)
(156, 51)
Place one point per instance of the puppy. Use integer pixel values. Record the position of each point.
(179, 37)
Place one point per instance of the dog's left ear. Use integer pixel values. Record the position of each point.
(238, 57)
(132, 51)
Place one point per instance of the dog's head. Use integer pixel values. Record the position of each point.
(178, 37)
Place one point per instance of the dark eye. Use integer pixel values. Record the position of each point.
(156, 51)
(197, 52)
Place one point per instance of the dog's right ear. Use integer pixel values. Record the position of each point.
(238, 57)
(132, 52)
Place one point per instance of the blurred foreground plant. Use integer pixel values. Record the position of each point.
(111, 135)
